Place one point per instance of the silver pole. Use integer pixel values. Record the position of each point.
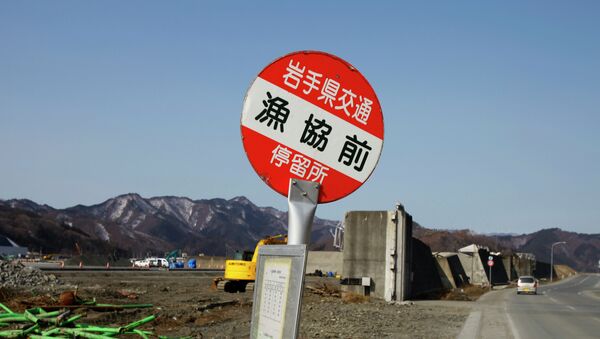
(303, 197)
(551, 261)
(491, 284)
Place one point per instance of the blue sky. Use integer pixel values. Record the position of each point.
(492, 111)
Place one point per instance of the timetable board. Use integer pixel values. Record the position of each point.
(278, 291)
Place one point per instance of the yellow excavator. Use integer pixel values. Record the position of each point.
(240, 272)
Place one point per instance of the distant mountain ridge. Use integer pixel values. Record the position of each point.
(581, 252)
(131, 224)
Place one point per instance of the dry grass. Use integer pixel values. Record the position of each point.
(466, 293)
(563, 271)
(354, 298)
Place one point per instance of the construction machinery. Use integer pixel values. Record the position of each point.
(240, 272)
(173, 255)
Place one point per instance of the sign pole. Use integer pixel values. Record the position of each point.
(312, 128)
(302, 201)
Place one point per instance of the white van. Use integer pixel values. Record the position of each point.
(158, 262)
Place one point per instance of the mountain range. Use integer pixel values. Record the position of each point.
(129, 225)
(581, 251)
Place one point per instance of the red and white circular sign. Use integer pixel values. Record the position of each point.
(490, 262)
(312, 116)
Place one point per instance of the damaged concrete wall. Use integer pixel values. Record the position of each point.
(472, 265)
(445, 273)
(325, 261)
(452, 274)
(377, 244)
(524, 264)
(365, 249)
(542, 270)
(508, 265)
(425, 277)
(458, 272)
(498, 271)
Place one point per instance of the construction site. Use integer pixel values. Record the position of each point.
(381, 283)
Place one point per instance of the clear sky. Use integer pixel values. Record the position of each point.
(492, 111)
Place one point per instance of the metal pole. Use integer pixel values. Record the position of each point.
(303, 197)
(551, 261)
(491, 285)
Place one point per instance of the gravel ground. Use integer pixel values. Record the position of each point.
(187, 306)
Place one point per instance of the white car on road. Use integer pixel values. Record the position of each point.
(527, 284)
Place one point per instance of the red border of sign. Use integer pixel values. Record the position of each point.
(324, 196)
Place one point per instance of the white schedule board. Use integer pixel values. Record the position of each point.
(278, 291)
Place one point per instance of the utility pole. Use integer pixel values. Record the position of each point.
(552, 257)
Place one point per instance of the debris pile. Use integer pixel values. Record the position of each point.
(324, 290)
(15, 274)
(40, 322)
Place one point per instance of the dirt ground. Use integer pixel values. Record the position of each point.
(186, 306)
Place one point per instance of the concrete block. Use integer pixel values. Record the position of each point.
(325, 261)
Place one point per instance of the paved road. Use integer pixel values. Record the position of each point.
(568, 309)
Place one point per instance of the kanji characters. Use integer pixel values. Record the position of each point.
(311, 82)
(318, 172)
(352, 152)
(347, 101)
(294, 74)
(315, 133)
(329, 91)
(299, 165)
(275, 111)
(281, 155)
(363, 111)
(297, 74)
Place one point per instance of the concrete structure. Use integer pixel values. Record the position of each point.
(9, 248)
(524, 264)
(474, 260)
(325, 261)
(425, 278)
(378, 245)
(451, 271)
(470, 259)
(542, 270)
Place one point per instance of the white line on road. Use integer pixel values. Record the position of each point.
(584, 279)
(571, 307)
(511, 324)
(553, 300)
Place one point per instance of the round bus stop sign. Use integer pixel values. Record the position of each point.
(312, 116)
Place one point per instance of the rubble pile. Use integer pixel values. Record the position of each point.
(14, 274)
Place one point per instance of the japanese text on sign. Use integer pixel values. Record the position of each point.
(331, 92)
(300, 165)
